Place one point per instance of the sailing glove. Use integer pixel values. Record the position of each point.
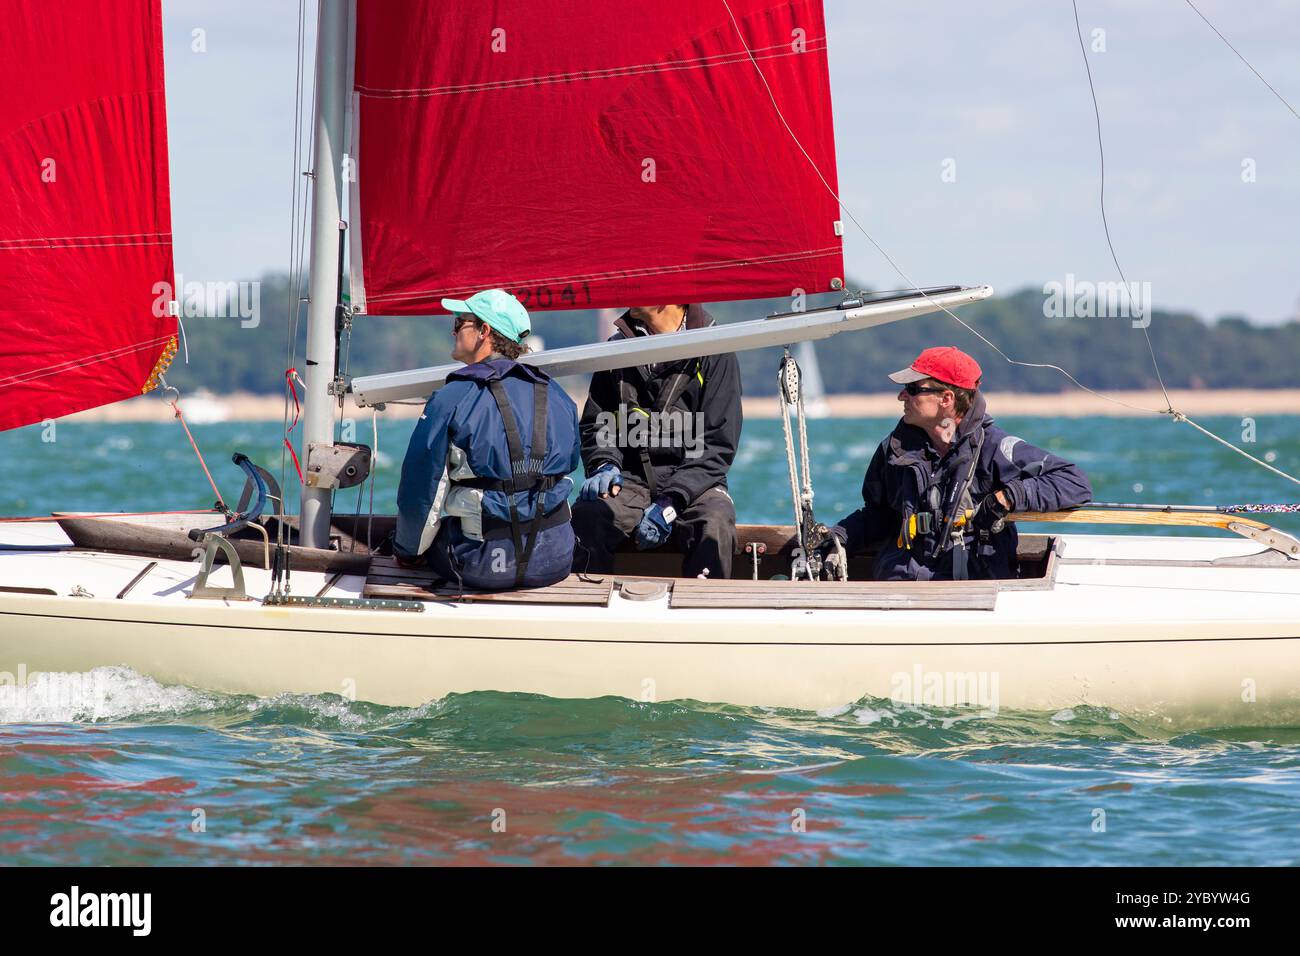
(828, 553)
(827, 544)
(602, 482)
(656, 524)
(991, 515)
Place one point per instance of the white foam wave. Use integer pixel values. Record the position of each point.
(867, 716)
(337, 710)
(102, 694)
(835, 711)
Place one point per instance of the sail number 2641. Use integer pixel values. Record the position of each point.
(548, 297)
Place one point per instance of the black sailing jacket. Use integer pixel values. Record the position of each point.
(691, 449)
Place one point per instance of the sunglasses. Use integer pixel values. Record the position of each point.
(916, 388)
(460, 324)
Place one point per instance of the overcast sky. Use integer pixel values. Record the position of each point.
(997, 88)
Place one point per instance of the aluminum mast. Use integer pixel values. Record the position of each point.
(318, 404)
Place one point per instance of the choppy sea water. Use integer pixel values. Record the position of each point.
(110, 767)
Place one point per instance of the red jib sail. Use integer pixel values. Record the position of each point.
(85, 231)
(591, 153)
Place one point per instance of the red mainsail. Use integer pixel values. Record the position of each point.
(85, 236)
(592, 153)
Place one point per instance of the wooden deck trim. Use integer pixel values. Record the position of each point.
(587, 595)
(388, 579)
(836, 595)
(1045, 583)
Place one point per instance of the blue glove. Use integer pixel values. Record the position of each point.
(656, 524)
(601, 482)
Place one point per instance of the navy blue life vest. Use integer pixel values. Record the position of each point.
(488, 467)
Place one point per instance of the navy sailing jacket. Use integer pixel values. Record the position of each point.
(459, 440)
(905, 469)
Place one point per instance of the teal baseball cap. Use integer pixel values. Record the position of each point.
(498, 309)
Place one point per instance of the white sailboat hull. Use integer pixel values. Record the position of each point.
(1191, 646)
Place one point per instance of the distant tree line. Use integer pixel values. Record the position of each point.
(227, 354)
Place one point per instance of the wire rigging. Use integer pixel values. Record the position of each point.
(1174, 413)
(300, 185)
(1105, 223)
(1243, 59)
(293, 259)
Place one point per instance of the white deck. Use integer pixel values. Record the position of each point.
(1140, 592)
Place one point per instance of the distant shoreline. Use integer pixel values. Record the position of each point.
(202, 407)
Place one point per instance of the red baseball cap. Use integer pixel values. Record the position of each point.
(945, 363)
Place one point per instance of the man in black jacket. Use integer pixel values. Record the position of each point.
(940, 486)
(657, 442)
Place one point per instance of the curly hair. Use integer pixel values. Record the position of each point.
(500, 344)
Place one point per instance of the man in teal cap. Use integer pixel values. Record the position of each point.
(499, 325)
(485, 487)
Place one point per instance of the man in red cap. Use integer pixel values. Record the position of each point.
(939, 487)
